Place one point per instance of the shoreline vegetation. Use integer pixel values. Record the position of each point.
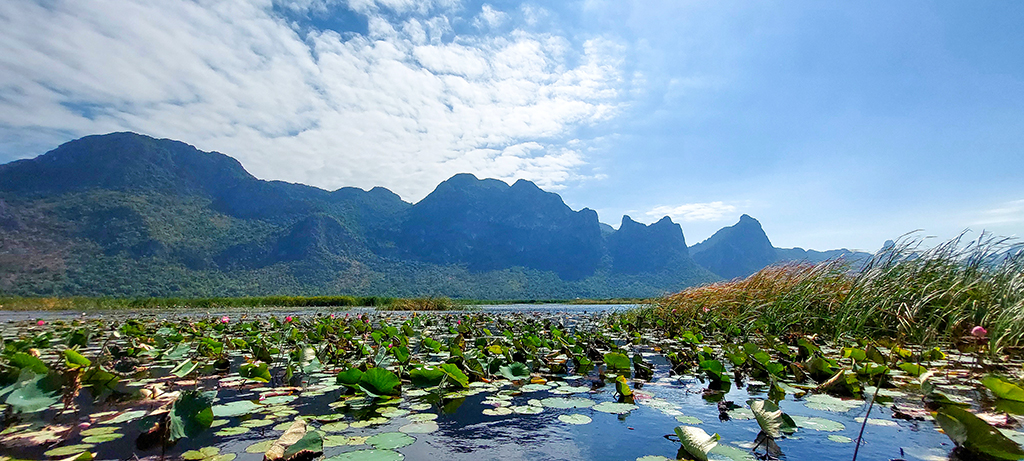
(904, 294)
(383, 303)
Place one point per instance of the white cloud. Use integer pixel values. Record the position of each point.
(397, 107)
(708, 211)
(1005, 213)
(489, 17)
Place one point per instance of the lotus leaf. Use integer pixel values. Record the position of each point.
(236, 408)
(973, 434)
(1003, 389)
(771, 418)
(616, 361)
(514, 371)
(75, 360)
(390, 440)
(426, 376)
(455, 374)
(191, 414)
(378, 381)
(696, 442)
(368, 455)
(615, 408)
(419, 427)
(575, 419)
(566, 403)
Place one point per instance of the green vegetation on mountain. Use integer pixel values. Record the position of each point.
(125, 215)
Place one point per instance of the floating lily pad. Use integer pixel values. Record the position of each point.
(335, 440)
(567, 402)
(368, 455)
(689, 419)
(253, 423)
(825, 402)
(419, 427)
(229, 431)
(818, 424)
(498, 411)
(262, 446)
(575, 419)
(420, 406)
(102, 438)
(535, 387)
(877, 422)
(126, 417)
(390, 440)
(839, 438)
(741, 414)
(421, 417)
(526, 409)
(99, 431)
(236, 408)
(334, 427)
(394, 413)
(279, 399)
(615, 408)
(69, 450)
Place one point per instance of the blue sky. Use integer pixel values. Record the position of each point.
(836, 124)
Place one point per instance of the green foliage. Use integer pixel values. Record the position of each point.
(975, 435)
(191, 414)
(378, 381)
(616, 361)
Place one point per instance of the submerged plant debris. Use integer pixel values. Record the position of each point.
(486, 384)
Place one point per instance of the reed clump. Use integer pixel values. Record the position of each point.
(421, 304)
(905, 293)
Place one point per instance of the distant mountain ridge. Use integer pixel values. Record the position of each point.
(129, 215)
(742, 249)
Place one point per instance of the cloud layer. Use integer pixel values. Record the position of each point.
(406, 104)
(691, 212)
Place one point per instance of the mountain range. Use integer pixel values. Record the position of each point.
(124, 214)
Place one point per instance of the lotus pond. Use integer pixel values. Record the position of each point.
(494, 383)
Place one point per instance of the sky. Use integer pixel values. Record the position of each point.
(835, 124)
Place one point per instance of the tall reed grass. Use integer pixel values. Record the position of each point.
(906, 292)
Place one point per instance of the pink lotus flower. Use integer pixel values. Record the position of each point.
(979, 331)
(332, 316)
(41, 323)
(225, 319)
(288, 319)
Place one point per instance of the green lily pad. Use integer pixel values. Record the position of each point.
(689, 419)
(378, 381)
(825, 402)
(126, 417)
(99, 430)
(615, 408)
(421, 417)
(390, 440)
(254, 423)
(230, 431)
(368, 455)
(575, 419)
(260, 447)
(526, 409)
(334, 427)
(818, 424)
(336, 440)
(102, 438)
(723, 452)
(236, 408)
(567, 402)
(279, 399)
(419, 427)
(839, 438)
(69, 450)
